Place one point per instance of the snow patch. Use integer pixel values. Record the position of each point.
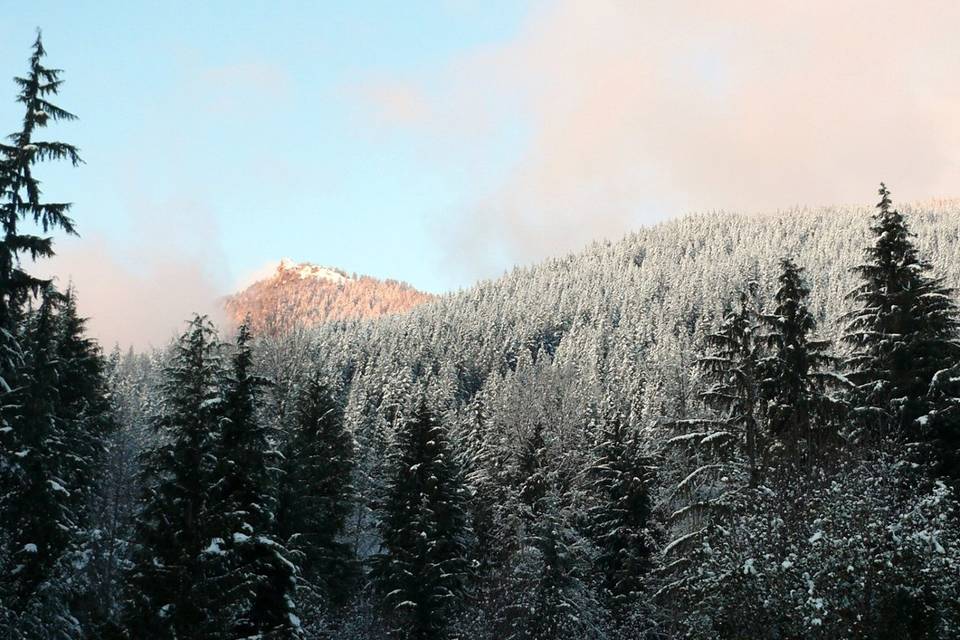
(305, 270)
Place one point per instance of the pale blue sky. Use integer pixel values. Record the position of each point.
(441, 142)
(246, 121)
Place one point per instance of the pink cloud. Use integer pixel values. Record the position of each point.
(140, 294)
(642, 110)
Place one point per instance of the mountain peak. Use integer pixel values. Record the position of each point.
(305, 294)
(305, 270)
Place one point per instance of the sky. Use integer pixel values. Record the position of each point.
(444, 142)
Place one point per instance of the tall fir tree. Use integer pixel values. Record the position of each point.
(795, 377)
(902, 333)
(20, 194)
(170, 570)
(317, 495)
(47, 450)
(251, 592)
(20, 199)
(732, 372)
(420, 573)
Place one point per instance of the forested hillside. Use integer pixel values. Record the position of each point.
(723, 426)
(695, 431)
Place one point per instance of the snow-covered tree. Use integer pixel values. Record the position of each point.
(39, 514)
(169, 595)
(317, 495)
(800, 415)
(902, 333)
(420, 573)
(873, 553)
(542, 584)
(719, 455)
(620, 515)
(251, 591)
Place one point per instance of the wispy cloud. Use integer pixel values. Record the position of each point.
(139, 294)
(638, 110)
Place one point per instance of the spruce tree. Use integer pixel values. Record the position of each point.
(318, 495)
(798, 411)
(251, 592)
(543, 585)
(170, 569)
(420, 572)
(903, 331)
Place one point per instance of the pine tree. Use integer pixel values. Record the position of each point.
(251, 592)
(798, 411)
(903, 332)
(170, 569)
(421, 569)
(318, 495)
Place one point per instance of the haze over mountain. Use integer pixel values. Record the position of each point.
(304, 294)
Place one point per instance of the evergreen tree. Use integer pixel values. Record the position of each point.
(54, 413)
(84, 405)
(112, 508)
(40, 515)
(719, 456)
(420, 573)
(318, 495)
(532, 468)
(39, 510)
(941, 424)
(170, 569)
(903, 331)
(253, 584)
(731, 371)
(798, 411)
(20, 195)
(543, 584)
(620, 518)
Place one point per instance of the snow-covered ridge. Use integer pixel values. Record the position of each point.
(306, 270)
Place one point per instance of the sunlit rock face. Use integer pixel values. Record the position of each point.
(304, 295)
